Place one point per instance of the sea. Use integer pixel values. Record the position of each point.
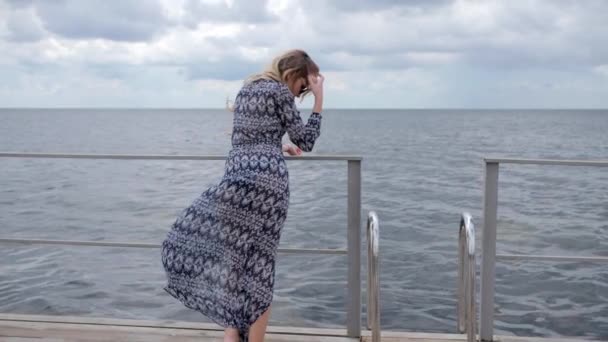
(420, 170)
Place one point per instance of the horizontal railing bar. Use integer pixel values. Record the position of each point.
(156, 157)
(334, 251)
(550, 257)
(548, 162)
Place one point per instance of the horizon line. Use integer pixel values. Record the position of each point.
(333, 108)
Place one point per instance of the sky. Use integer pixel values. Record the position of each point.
(373, 54)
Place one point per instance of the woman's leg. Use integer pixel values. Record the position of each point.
(258, 329)
(231, 335)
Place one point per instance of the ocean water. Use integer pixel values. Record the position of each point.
(421, 169)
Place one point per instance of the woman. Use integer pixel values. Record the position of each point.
(219, 255)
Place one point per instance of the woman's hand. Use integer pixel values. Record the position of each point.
(292, 150)
(315, 84)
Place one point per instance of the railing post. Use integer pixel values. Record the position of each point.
(353, 320)
(488, 271)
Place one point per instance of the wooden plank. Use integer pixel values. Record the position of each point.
(28, 339)
(162, 324)
(540, 339)
(100, 333)
(393, 336)
(49, 331)
(28, 328)
(416, 336)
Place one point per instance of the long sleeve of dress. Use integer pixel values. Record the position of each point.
(303, 135)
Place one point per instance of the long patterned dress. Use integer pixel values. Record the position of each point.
(219, 255)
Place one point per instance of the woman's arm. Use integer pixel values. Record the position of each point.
(303, 135)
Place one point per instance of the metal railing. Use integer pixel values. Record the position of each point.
(373, 276)
(467, 316)
(353, 250)
(489, 256)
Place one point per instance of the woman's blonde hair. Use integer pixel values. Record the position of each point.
(283, 68)
(293, 63)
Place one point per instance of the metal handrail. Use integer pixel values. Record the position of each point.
(551, 258)
(373, 276)
(158, 156)
(116, 244)
(489, 255)
(554, 162)
(467, 316)
(353, 224)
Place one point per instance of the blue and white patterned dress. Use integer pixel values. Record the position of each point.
(219, 255)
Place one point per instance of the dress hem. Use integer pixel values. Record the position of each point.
(172, 290)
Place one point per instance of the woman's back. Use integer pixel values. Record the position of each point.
(264, 110)
(257, 119)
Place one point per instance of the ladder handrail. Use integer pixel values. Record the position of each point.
(467, 316)
(373, 276)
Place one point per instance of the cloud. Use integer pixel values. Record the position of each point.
(230, 68)
(438, 51)
(125, 20)
(24, 26)
(378, 5)
(494, 34)
(242, 11)
(19, 3)
(114, 71)
(602, 70)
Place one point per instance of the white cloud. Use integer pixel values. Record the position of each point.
(602, 69)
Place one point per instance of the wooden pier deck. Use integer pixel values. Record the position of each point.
(30, 328)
